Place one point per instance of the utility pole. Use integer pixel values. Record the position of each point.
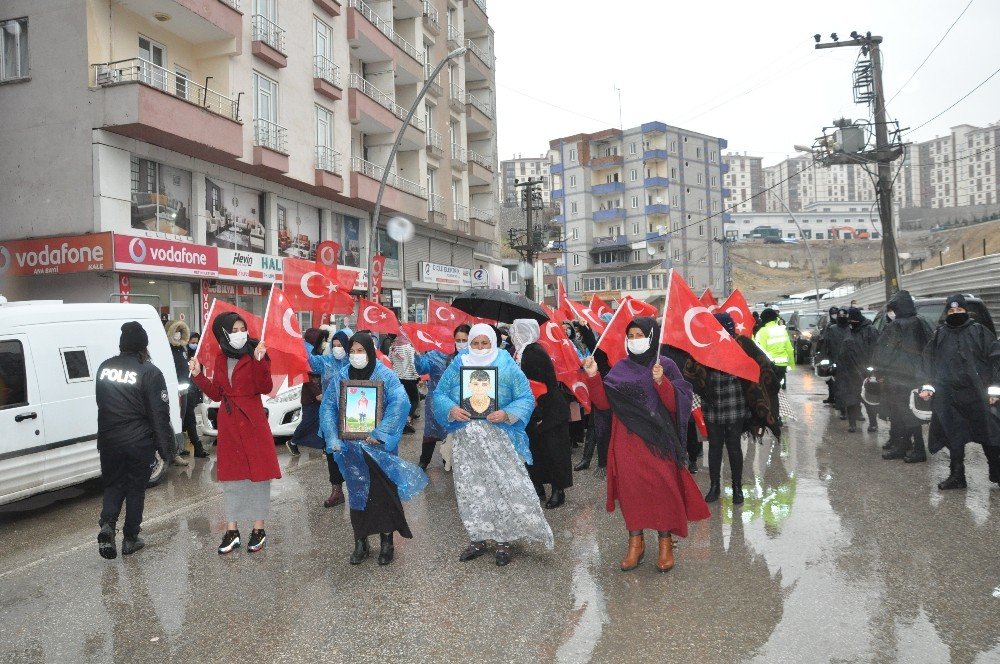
(531, 199)
(886, 151)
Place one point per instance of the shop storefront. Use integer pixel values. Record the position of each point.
(438, 282)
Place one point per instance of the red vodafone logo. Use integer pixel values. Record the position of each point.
(4, 259)
(155, 255)
(137, 250)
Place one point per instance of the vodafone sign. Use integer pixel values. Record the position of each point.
(56, 255)
(146, 254)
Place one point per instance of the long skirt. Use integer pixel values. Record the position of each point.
(495, 497)
(246, 500)
(384, 511)
(551, 456)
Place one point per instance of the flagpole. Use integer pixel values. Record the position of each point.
(211, 310)
(267, 310)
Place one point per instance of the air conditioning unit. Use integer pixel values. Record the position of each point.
(107, 75)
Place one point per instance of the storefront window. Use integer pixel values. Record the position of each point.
(235, 217)
(161, 198)
(351, 244)
(249, 297)
(390, 249)
(416, 307)
(298, 229)
(175, 300)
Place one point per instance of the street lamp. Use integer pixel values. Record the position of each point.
(373, 225)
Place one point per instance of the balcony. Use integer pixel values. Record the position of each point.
(556, 169)
(558, 193)
(479, 62)
(607, 215)
(559, 271)
(459, 157)
(612, 242)
(401, 196)
(378, 113)
(724, 168)
(454, 37)
(723, 144)
(373, 39)
(331, 7)
(432, 19)
(461, 216)
(726, 193)
(435, 147)
(606, 161)
(658, 208)
(435, 89)
(654, 182)
(654, 236)
(608, 188)
(437, 212)
(268, 41)
(654, 128)
(475, 16)
(480, 169)
(199, 22)
(326, 78)
(456, 97)
(328, 169)
(559, 219)
(478, 114)
(143, 101)
(270, 141)
(654, 155)
(480, 214)
(483, 229)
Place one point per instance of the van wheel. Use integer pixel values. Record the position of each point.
(158, 473)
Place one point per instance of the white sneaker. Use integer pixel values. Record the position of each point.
(180, 461)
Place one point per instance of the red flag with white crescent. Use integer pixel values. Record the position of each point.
(565, 360)
(612, 340)
(690, 326)
(376, 318)
(208, 349)
(562, 300)
(442, 313)
(737, 307)
(555, 315)
(426, 337)
(312, 286)
(581, 312)
(283, 338)
(599, 306)
(708, 299)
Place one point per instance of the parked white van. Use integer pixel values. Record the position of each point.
(48, 413)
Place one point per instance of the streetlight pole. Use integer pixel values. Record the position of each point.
(373, 223)
(805, 242)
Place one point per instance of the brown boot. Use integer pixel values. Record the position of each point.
(636, 550)
(665, 559)
(336, 497)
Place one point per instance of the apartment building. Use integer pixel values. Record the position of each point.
(957, 170)
(635, 203)
(200, 143)
(745, 182)
(823, 220)
(524, 168)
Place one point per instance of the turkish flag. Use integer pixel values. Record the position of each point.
(699, 421)
(612, 341)
(328, 254)
(690, 326)
(737, 307)
(382, 358)
(284, 342)
(376, 318)
(580, 312)
(537, 389)
(708, 299)
(565, 360)
(209, 349)
(441, 313)
(555, 315)
(426, 337)
(599, 306)
(312, 286)
(562, 301)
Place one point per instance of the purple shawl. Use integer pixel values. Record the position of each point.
(635, 401)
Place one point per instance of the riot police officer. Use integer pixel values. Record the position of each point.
(133, 422)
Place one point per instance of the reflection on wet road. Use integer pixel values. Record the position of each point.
(836, 556)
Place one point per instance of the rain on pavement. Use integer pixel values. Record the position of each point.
(836, 556)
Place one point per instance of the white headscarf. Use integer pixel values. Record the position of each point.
(470, 359)
(524, 331)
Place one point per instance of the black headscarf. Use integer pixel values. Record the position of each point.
(768, 315)
(366, 342)
(650, 329)
(222, 326)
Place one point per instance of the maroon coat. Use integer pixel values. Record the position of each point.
(246, 446)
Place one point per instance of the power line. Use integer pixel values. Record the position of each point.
(957, 102)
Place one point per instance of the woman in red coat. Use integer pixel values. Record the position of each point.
(246, 460)
(650, 403)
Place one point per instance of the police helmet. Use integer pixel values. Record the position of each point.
(921, 409)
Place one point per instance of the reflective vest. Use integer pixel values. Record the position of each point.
(774, 340)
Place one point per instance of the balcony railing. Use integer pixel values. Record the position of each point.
(461, 212)
(459, 153)
(359, 165)
(382, 99)
(454, 37)
(457, 93)
(235, 4)
(326, 69)
(435, 203)
(481, 214)
(483, 106)
(270, 135)
(480, 159)
(480, 52)
(385, 27)
(434, 140)
(267, 31)
(431, 15)
(327, 159)
(481, 4)
(137, 70)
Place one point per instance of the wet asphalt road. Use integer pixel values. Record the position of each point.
(837, 556)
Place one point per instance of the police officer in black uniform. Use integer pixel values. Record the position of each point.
(133, 422)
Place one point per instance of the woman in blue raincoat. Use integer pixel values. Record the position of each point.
(328, 362)
(496, 499)
(376, 477)
(434, 364)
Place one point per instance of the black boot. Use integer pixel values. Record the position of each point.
(873, 425)
(589, 445)
(106, 542)
(713, 492)
(956, 480)
(361, 551)
(737, 493)
(386, 551)
(895, 451)
(132, 544)
(557, 498)
(916, 453)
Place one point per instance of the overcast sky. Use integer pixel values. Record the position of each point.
(745, 71)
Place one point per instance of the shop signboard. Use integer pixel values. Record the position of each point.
(152, 255)
(217, 289)
(435, 273)
(56, 255)
(480, 278)
(248, 266)
(124, 288)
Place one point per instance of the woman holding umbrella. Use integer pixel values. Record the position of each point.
(495, 497)
(650, 403)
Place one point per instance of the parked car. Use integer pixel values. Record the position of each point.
(283, 413)
(48, 410)
(932, 310)
(803, 328)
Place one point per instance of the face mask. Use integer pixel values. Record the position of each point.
(891, 315)
(841, 321)
(359, 360)
(193, 346)
(461, 345)
(237, 339)
(957, 320)
(638, 346)
(481, 351)
(177, 336)
(339, 352)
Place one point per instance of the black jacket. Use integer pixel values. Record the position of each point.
(833, 340)
(133, 405)
(897, 357)
(853, 361)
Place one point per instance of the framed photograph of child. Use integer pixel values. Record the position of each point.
(361, 407)
(479, 391)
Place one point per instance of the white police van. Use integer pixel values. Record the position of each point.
(49, 352)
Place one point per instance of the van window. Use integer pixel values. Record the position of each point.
(75, 364)
(13, 379)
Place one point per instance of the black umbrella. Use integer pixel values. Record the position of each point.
(498, 305)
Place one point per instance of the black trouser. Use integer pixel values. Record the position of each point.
(336, 479)
(191, 425)
(576, 431)
(830, 390)
(872, 414)
(725, 435)
(427, 450)
(780, 373)
(693, 444)
(413, 393)
(905, 430)
(125, 471)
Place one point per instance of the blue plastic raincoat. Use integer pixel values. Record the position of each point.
(433, 364)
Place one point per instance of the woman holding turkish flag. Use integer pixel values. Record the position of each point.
(650, 404)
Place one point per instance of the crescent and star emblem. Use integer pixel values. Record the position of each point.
(304, 285)
(286, 322)
(689, 318)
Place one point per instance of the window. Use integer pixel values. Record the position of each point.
(633, 174)
(512, 277)
(636, 256)
(635, 201)
(151, 59)
(673, 146)
(324, 51)
(576, 285)
(576, 233)
(576, 260)
(701, 230)
(265, 98)
(711, 156)
(673, 173)
(639, 282)
(700, 178)
(674, 199)
(697, 151)
(75, 364)
(572, 181)
(654, 281)
(13, 51)
(181, 78)
(266, 8)
(715, 181)
(15, 377)
(572, 207)
(635, 228)
(701, 204)
(572, 157)
(324, 127)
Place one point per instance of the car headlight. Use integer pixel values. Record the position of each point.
(292, 394)
(806, 334)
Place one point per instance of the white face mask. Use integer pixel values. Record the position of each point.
(461, 345)
(359, 360)
(339, 352)
(891, 315)
(177, 336)
(237, 339)
(481, 351)
(638, 346)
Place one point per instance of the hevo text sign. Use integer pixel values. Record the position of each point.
(56, 255)
(146, 254)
